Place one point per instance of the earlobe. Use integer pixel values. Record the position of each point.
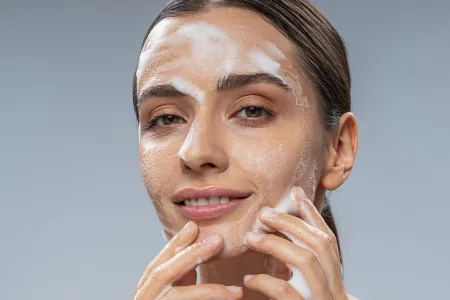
(342, 152)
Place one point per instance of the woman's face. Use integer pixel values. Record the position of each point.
(222, 104)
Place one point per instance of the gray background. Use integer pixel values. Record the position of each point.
(75, 219)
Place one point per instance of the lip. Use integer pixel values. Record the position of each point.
(192, 193)
(204, 212)
(212, 211)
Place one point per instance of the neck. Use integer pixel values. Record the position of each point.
(232, 271)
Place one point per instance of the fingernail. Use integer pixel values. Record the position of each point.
(234, 288)
(212, 240)
(248, 277)
(188, 227)
(254, 237)
(268, 213)
(300, 192)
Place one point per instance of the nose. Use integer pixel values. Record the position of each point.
(202, 150)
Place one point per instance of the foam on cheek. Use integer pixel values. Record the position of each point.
(314, 181)
(139, 133)
(287, 204)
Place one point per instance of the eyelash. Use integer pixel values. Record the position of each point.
(249, 120)
(256, 120)
(151, 124)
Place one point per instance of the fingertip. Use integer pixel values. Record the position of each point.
(191, 227)
(236, 291)
(301, 193)
(248, 277)
(213, 242)
(234, 288)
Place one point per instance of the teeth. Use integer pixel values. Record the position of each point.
(202, 201)
(224, 200)
(214, 200)
(206, 201)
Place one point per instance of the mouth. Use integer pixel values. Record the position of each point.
(208, 203)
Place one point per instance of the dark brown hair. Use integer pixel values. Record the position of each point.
(320, 50)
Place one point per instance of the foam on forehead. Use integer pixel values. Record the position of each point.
(211, 46)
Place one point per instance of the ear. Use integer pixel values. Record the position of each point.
(341, 153)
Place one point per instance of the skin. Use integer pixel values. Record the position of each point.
(215, 142)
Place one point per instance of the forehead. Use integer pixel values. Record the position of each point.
(212, 44)
(239, 25)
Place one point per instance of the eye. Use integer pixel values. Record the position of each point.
(253, 112)
(164, 120)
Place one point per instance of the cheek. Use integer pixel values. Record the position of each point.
(157, 164)
(275, 166)
(268, 163)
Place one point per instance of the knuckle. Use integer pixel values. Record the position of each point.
(159, 273)
(326, 243)
(332, 238)
(309, 258)
(284, 289)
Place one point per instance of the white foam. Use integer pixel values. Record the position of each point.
(287, 204)
(209, 46)
(188, 88)
(188, 146)
(263, 62)
(298, 282)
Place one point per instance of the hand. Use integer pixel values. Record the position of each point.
(172, 274)
(312, 255)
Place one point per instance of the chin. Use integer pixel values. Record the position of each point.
(229, 252)
(233, 245)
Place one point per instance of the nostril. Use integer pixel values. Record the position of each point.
(208, 166)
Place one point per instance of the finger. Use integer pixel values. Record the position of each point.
(277, 268)
(309, 213)
(179, 265)
(331, 262)
(187, 235)
(189, 279)
(310, 238)
(299, 260)
(203, 291)
(272, 287)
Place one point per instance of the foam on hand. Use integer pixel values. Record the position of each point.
(288, 205)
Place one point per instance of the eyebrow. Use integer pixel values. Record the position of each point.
(227, 83)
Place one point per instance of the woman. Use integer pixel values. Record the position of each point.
(244, 123)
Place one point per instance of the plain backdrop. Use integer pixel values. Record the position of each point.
(76, 222)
